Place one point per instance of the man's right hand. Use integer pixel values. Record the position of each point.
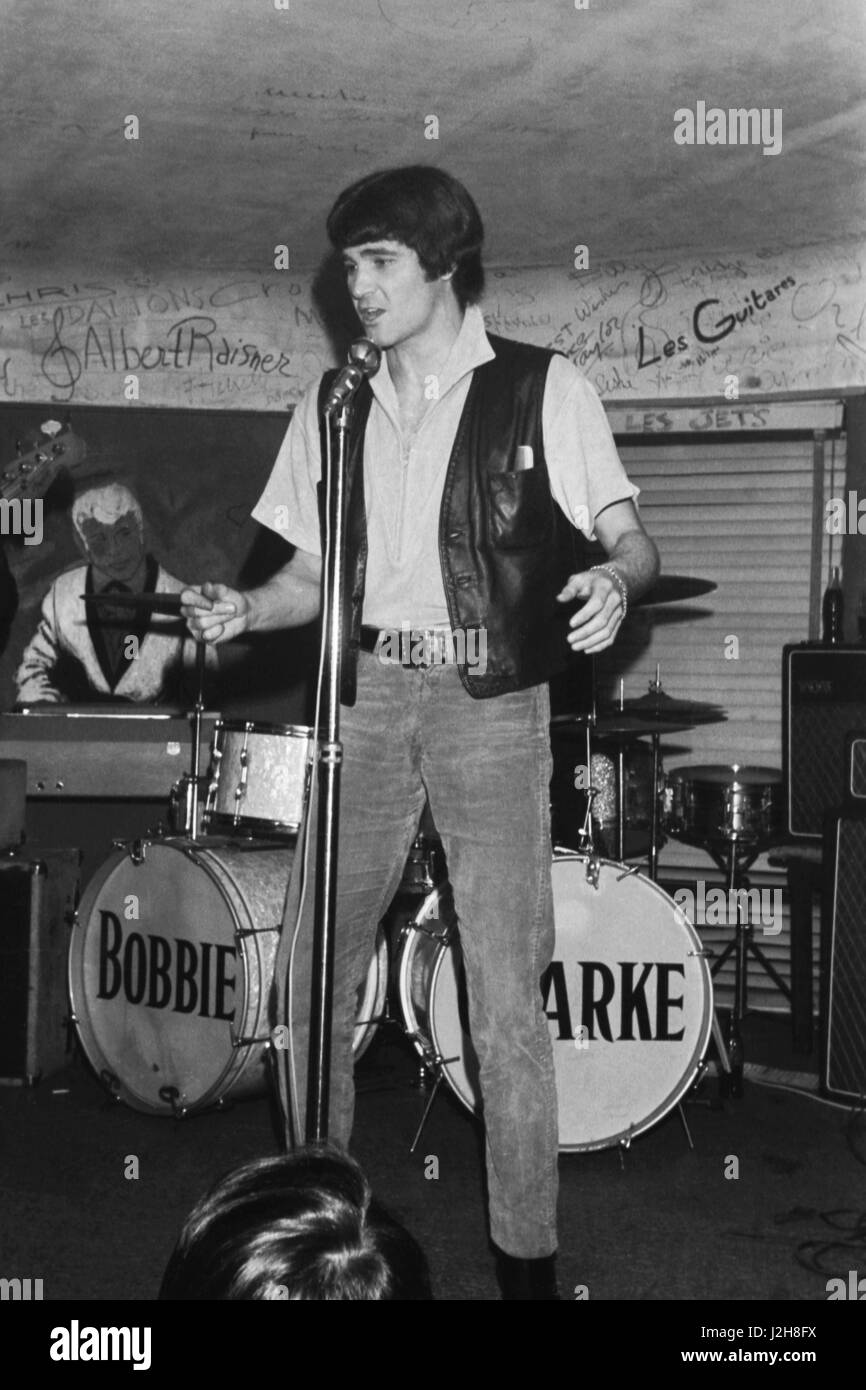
(215, 612)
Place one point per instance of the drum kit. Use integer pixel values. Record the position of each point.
(172, 952)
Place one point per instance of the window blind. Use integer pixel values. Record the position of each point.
(742, 515)
(746, 515)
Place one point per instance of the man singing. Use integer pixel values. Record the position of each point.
(471, 461)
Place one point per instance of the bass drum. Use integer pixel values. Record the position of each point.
(628, 996)
(170, 966)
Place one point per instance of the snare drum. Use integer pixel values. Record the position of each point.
(628, 996)
(170, 966)
(717, 803)
(260, 776)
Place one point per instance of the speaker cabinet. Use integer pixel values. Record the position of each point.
(855, 769)
(823, 700)
(843, 959)
(38, 894)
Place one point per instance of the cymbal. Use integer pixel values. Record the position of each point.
(674, 588)
(655, 704)
(616, 725)
(153, 603)
(729, 774)
(664, 616)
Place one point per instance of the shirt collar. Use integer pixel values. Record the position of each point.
(469, 350)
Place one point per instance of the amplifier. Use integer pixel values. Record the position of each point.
(823, 700)
(38, 894)
(82, 752)
(855, 768)
(843, 959)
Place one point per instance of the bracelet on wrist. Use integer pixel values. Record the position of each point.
(618, 581)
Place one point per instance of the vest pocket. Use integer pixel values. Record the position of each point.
(519, 509)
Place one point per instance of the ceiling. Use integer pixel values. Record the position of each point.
(560, 121)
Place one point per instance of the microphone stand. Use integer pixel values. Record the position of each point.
(330, 759)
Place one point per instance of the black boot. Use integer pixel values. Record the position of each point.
(527, 1279)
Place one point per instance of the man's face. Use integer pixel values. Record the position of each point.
(115, 549)
(392, 296)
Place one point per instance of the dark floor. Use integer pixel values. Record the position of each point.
(665, 1223)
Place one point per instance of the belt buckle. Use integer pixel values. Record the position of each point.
(413, 658)
(437, 647)
(418, 648)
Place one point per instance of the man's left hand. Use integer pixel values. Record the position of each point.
(595, 625)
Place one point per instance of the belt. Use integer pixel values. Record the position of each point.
(416, 648)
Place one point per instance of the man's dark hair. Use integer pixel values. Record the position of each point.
(302, 1226)
(423, 208)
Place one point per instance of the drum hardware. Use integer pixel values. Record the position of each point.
(734, 813)
(593, 870)
(184, 818)
(433, 1065)
(741, 946)
(262, 1040)
(195, 765)
(171, 1096)
(425, 866)
(110, 1082)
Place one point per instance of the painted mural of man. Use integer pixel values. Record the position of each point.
(84, 654)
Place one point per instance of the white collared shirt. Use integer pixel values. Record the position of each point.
(404, 475)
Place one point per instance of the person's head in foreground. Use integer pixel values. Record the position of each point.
(296, 1227)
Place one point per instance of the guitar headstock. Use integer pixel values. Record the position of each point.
(32, 473)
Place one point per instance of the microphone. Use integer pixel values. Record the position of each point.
(363, 361)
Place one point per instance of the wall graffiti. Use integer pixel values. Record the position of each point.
(781, 319)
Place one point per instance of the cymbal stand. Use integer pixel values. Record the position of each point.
(653, 865)
(585, 836)
(655, 827)
(620, 785)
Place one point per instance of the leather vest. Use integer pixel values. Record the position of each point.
(505, 547)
